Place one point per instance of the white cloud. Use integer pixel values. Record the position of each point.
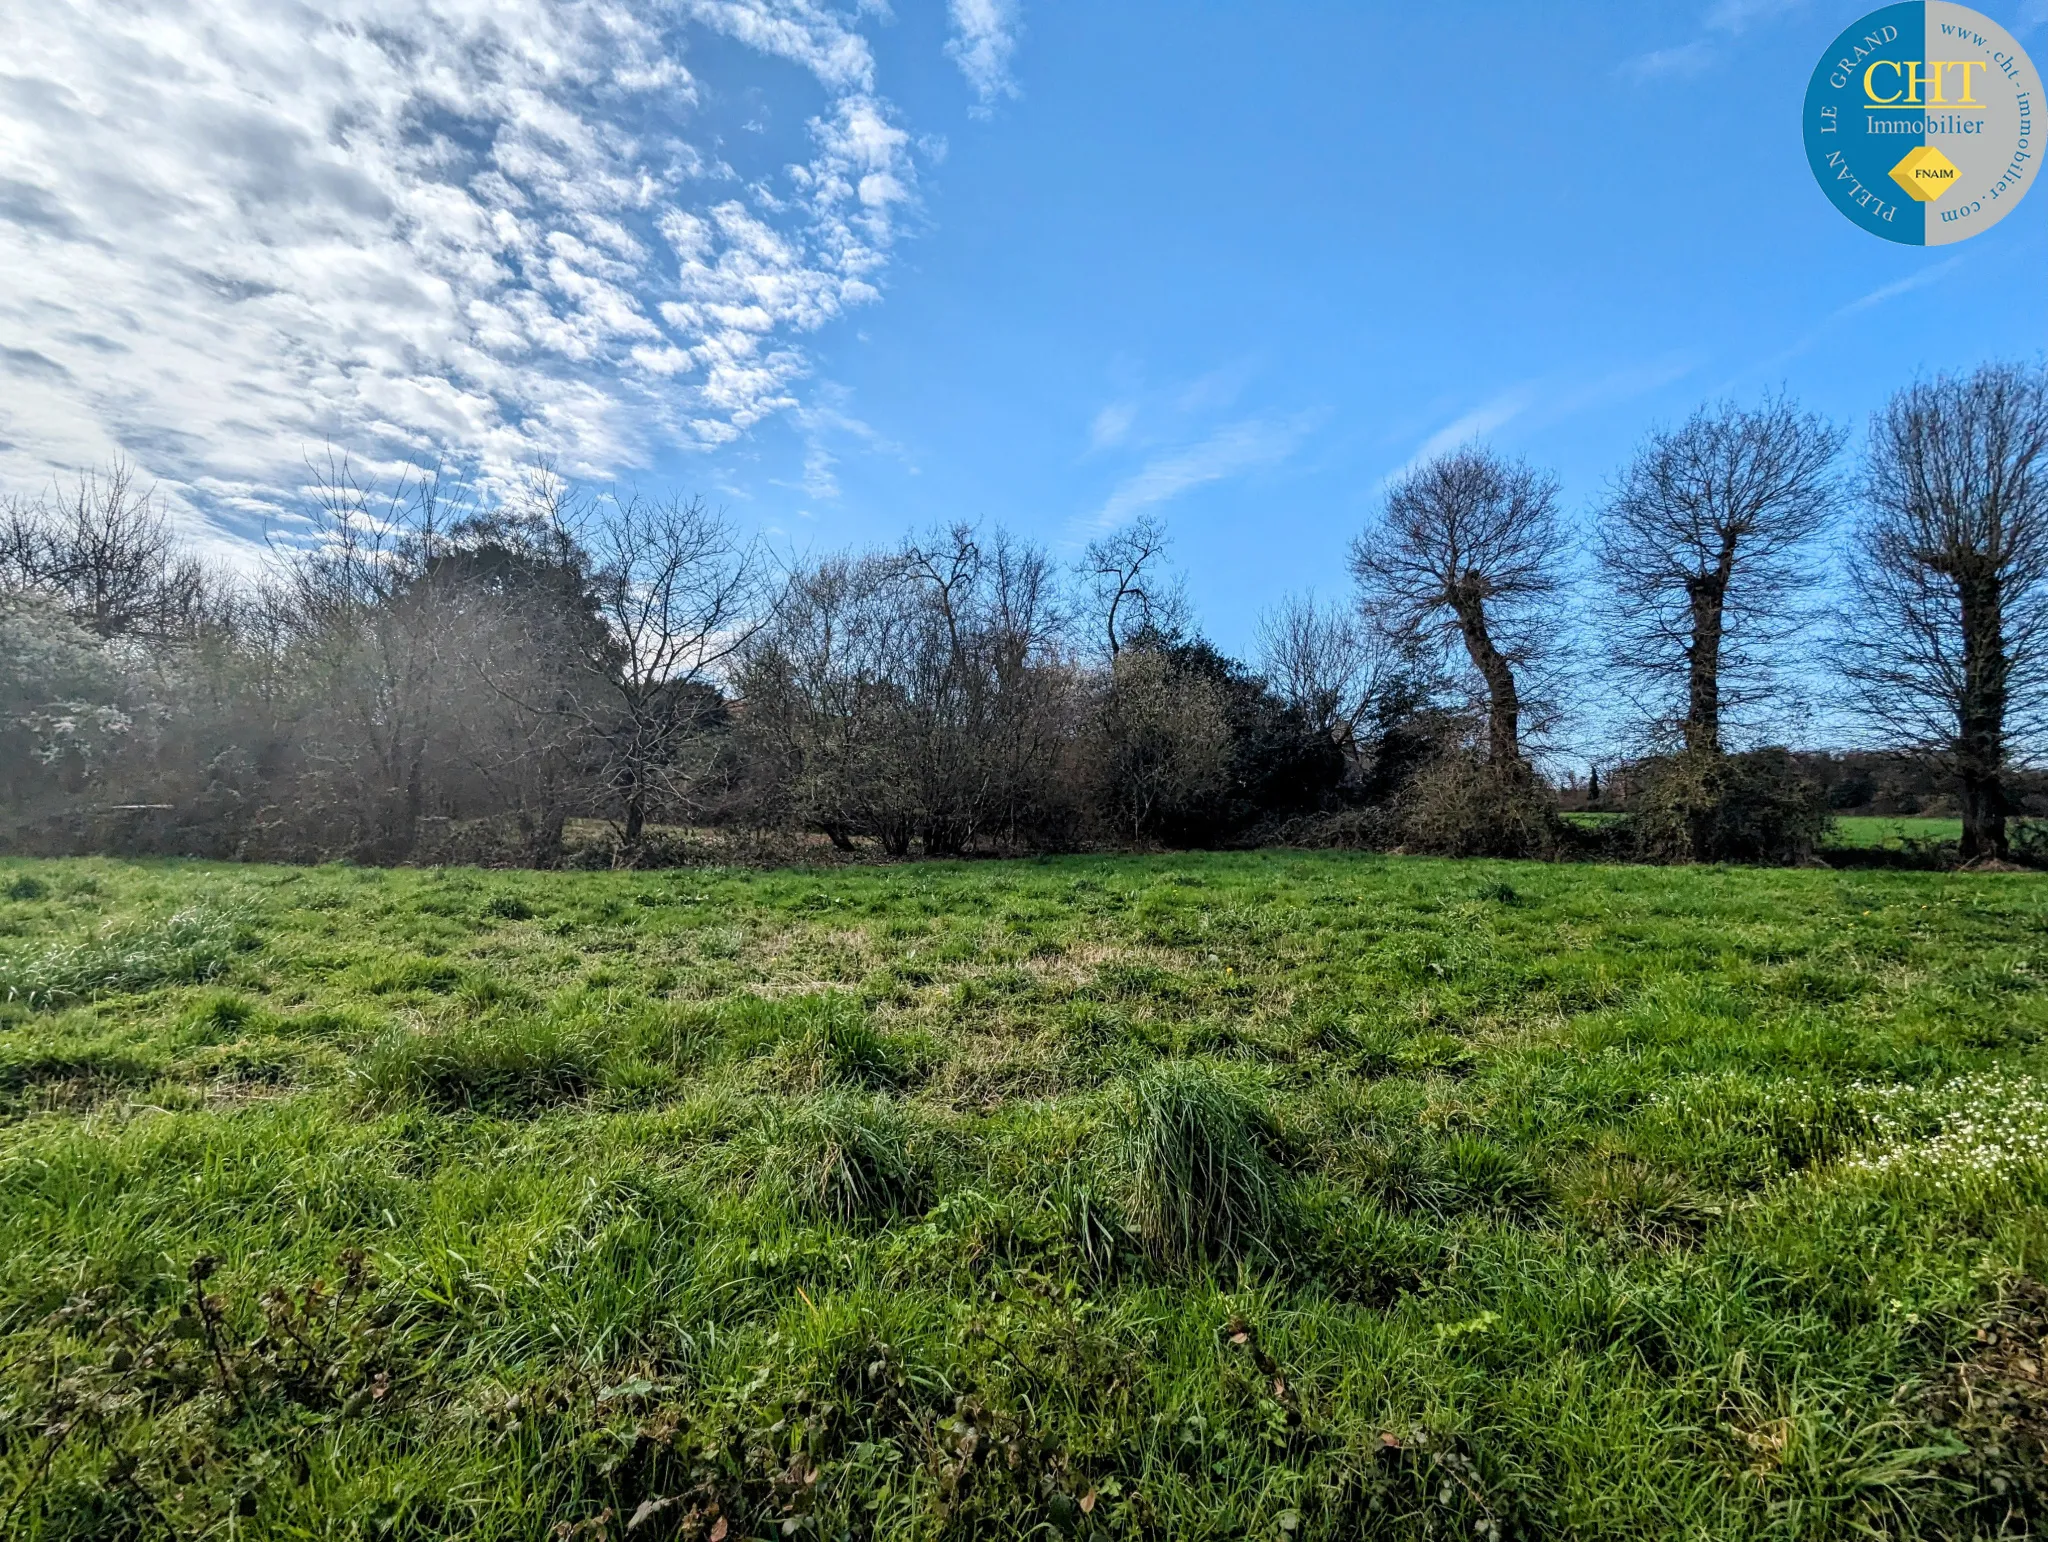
(1229, 451)
(1737, 16)
(1686, 59)
(1112, 425)
(1881, 295)
(984, 38)
(234, 231)
(1475, 424)
(1539, 404)
(827, 420)
(1724, 19)
(1906, 285)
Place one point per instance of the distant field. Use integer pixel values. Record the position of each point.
(1850, 830)
(1861, 830)
(1263, 1195)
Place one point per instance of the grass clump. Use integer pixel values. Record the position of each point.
(188, 948)
(516, 1065)
(845, 1049)
(837, 1156)
(1193, 1148)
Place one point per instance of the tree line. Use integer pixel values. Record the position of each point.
(438, 673)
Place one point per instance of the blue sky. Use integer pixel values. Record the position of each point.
(852, 271)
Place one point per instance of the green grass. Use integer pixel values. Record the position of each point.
(1281, 1196)
(1870, 830)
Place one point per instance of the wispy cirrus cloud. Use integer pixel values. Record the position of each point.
(827, 422)
(1494, 413)
(1906, 285)
(232, 231)
(1537, 404)
(983, 41)
(1722, 21)
(1112, 425)
(1685, 59)
(1231, 450)
(1882, 295)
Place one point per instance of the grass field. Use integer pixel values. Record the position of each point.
(1850, 830)
(1270, 1196)
(1869, 830)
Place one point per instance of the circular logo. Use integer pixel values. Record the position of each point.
(1921, 123)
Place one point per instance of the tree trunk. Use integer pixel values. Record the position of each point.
(547, 839)
(636, 812)
(1703, 676)
(1980, 719)
(1503, 704)
(1983, 815)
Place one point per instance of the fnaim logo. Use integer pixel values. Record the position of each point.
(1920, 122)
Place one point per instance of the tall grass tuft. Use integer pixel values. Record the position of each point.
(495, 1064)
(821, 1041)
(188, 948)
(840, 1157)
(1200, 1184)
(849, 1051)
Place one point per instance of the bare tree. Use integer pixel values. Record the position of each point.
(1949, 643)
(1124, 573)
(917, 694)
(1706, 546)
(1468, 549)
(104, 550)
(823, 707)
(982, 682)
(369, 632)
(679, 595)
(1332, 666)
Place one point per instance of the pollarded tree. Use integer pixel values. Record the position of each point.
(1949, 643)
(1467, 551)
(1707, 549)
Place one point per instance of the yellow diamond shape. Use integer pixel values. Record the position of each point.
(1925, 173)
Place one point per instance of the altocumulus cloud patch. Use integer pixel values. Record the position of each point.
(235, 231)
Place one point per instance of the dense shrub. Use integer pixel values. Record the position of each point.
(1462, 806)
(1274, 763)
(1697, 806)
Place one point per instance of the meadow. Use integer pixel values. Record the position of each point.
(1271, 1195)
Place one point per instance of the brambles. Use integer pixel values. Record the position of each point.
(1462, 806)
(167, 1393)
(1704, 806)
